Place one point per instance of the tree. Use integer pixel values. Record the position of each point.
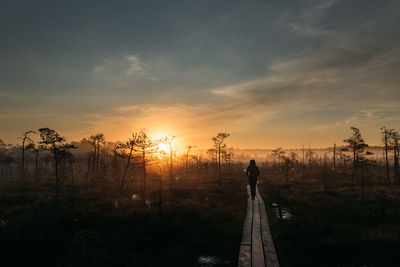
(344, 157)
(386, 133)
(334, 156)
(218, 141)
(394, 142)
(96, 142)
(364, 165)
(278, 153)
(356, 143)
(145, 146)
(228, 155)
(287, 164)
(130, 145)
(189, 147)
(24, 139)
(169, 140)
(213, 155)
(57, 146)
(35, 148)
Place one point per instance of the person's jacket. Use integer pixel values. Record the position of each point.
(252, 171)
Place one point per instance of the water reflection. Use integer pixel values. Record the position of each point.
(207, 261)
(135, 197)
(281, 212)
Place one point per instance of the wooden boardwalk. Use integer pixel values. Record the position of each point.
(257, 247)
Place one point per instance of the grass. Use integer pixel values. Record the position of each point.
(334, 225)
(204, 219)
(335, 222)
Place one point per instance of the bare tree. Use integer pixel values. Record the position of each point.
(218, 141)
(54, 143)
(24, 139)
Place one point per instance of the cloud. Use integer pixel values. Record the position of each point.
(120, 71)
(99, 69)
(134, 65)
(347, 75)
(308, 20)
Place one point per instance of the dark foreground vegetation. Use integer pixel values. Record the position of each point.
(334, 222)
(128, 203)
(199, 218)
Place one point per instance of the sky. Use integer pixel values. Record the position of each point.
(271, 73)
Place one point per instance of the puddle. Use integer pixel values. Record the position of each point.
(281, 213)
(207, 261)
(135, 197)
(116, 204)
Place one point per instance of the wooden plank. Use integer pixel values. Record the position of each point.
(271, 258)
(257, 251)
(245, 246)
(245, 256)
(246, 234)
(257, 247)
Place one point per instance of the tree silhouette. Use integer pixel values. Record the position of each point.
(96, 142)
(394, 142)
(169, 140)
(278, 153)
(334, 156)
(35, 148)
(57, 146)
(356, 143)
(24, 139)
(130, 146)
(146, 145)
(286, 167)
(218, 141)
(227, 156)
(189, 147)
(343, 156)
(385, 140)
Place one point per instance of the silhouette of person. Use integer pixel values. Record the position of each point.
(252, 173)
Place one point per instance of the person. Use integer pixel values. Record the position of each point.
(252, 173)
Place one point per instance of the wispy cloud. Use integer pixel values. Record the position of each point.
(124, 69)
(134, 65)
(310, 66)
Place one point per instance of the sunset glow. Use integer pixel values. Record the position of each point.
(164, 148)
(271, 74)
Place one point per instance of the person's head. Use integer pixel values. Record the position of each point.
(252, 162)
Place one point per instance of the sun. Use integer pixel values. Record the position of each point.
(171, 143)
(164, 148)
